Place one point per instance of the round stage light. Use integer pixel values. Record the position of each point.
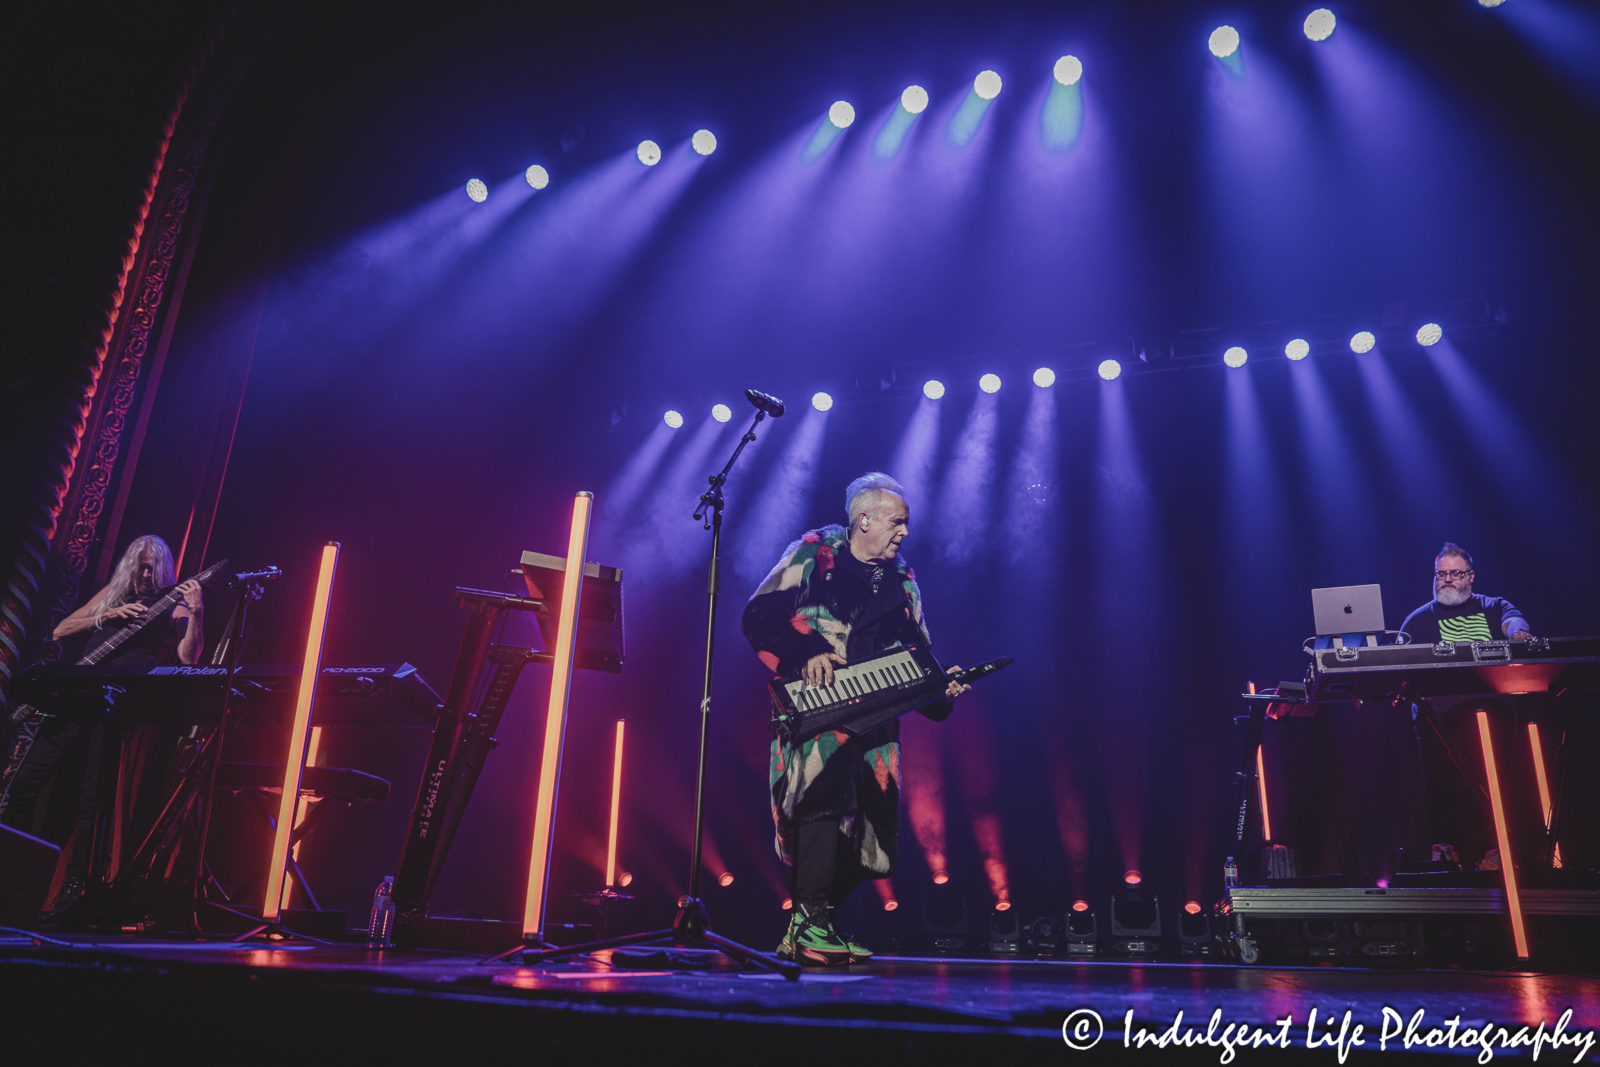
(704, 142)
(1044, 377)
(477, 192)
(890, 904)
(1235, 357)
(989, 383)
(1068, 70)
(788, 902)
(1004, 905)
(822, 401)
(721, 412)
(987, 84)
(841, 114)
(1297, 349)
(673, 419)
(537, 176)
(1430, 334)
(940, 878)
(1133, 878)
(625, 878)
(1224, 41)
(1080, 905)
(933, 389)
(1319, 24)
(1192, 907)
(914, 99)
(725, 878)
(1362, 342)
(649, 153)
(1109, 369)
(1490, 3)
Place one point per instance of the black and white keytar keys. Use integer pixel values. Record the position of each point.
(867, 693)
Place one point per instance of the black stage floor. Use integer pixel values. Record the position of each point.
(225, 1000)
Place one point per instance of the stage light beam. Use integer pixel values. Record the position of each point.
(1224, 41)
(1068, 70)
(822, 401)
(477, 192)
(673, 419)
(1109, 369)
(1362, 342)
(649, 153)
(1044, 377)
(842, 114)
(1235, 357)
(986, 85)
(933, 389)
(1430, 334)
(914, 99)
(1319, 24)
(1297, 349)
(989, 383)
(704, 142)
(537, 176)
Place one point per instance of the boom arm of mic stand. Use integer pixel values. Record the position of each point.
(712, 498)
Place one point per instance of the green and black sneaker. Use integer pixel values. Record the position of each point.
(812, 940)
(859, 953)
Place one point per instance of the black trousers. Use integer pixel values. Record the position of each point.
(80, 734)
(825, 870)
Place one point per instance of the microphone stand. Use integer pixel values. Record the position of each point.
(692, 923)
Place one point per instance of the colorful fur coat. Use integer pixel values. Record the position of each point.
(801, 611)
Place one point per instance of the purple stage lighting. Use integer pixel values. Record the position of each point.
(1362, 342)
(989, 383)
(1297, 349)
(1430, 334)
(933, 389)
(537, 176)
(477, 191)
(1044, 377)
(1235, 357)
(841, 114)
(1224, 41)
(822, 401)
(673, 419)
(649, 153)
(704, 142)
(1109, 369)
(1319, 24)
(986, 85)
(1068, 70)
(721, 412)
(914, 99)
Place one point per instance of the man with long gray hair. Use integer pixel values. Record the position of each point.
(838, 595)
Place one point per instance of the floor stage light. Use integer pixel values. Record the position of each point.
(821, 401)
(933, 389)
(721, 412)
(841, 114)
(1224, 41)
(1430, 334)
(1297, 349)
(725, 879)
(537, 176)
(673, 419)
(1362, 342)
(1235, 357)
(987, 85)
(704, 142)
(649, 153)
(477, 192)
(1068, 70)
(1044, 377)
(914, 99)
(1109, 369)
(989, 383)
(1319, 24)
(891, 904)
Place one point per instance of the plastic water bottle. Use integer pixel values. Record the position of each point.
(380, 928)
(1230, 873)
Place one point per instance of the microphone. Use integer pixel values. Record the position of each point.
(770, 404)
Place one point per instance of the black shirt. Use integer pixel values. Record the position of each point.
(880, 598)
(1478, 618)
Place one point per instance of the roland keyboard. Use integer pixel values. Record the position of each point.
(867, 693)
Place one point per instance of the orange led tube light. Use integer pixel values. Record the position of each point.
(1261, 786)
(299, 734)
(1544, 783)
(616, 804)
(1513, 899)
(555, 722)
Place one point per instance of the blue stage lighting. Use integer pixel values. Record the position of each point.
(704, 142)
(1235, 357)
(1044, 377)
(673, 419)
(822, 401)
(477, 191)
(914, 99)
(1297, 349)
(649, 153)
(1319, 24)
(841, 114)
(1109, 369)
(1224, 41)
(1362, 342)
(989, 383)
(721, 412)
(537, 176)
(933, 389)
(986, 85)
(1068, 70)
(1431, 334)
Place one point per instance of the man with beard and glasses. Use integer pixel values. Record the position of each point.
(1447, 734)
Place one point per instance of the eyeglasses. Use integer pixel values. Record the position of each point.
(1450, 576)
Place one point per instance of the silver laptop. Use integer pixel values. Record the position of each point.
(1348, 609)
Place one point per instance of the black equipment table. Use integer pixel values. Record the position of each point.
(1454, 668)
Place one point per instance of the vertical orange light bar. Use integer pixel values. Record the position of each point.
(1261, 786)
(1513, 898)
(616, 804)
(299, 733)
(555, 723)
(304, 808)
(1544, 783)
